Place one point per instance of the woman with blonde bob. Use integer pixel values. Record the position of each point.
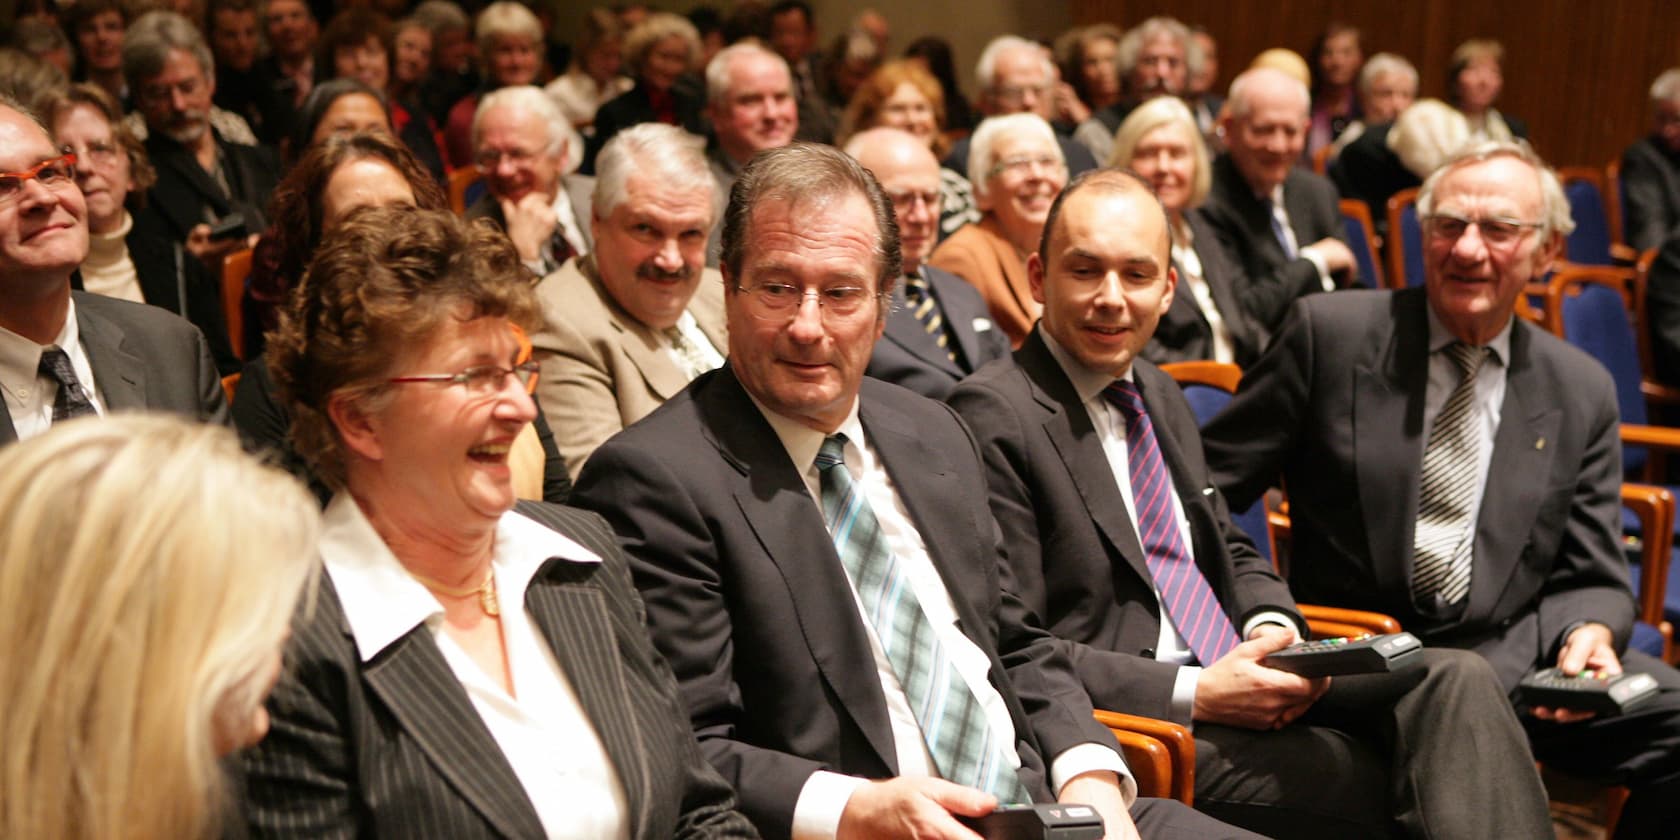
(151, 570)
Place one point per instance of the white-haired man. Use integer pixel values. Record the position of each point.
(525, 148)
(1651, 169)
(751, 103)
(1017, 76)
(1155, 58)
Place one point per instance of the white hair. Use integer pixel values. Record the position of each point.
(1554, 217)
(1667, 87)
(1238, 102)
(1131, 45)
(980, 156)
(532, 100)
(1427, 134)
(985, 70)
(1384, 64)
(671, 157)
(717, 72)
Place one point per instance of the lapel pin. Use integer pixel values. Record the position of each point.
(1540, 444)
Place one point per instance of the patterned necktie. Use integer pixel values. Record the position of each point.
(72, 400)
(1185, 593)
(1281, 230)
(559, 248)
(925, 309)
(962, 743)
(1441, 546)
(689, 357)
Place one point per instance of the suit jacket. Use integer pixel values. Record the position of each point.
(1650, 193)
(907, 355)
(1367, 169)
(173, 279)
(601, 368)
(1183, 333)
(393, 747)
(144, 359)
(1075, 554)
(1662, 301)
(1243, 225)
(982, 255)
(184, 191)
(633, 106)
(580, 191)
(746, 595)
(1336, 407)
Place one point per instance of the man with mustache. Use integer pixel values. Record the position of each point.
(630, 324)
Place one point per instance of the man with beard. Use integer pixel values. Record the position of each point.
(630, 324)
(202, 178)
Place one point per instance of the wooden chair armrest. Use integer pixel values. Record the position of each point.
(1654, 507)
(1623, 254)
(1655, 437)
(1161, 754)
(230, 383)
(1656, 392)
(1329, 622)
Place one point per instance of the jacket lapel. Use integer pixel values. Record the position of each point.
(119, 375)
(968, 341)
(1387, 418)
(904, 330)
(1516, 481)
(640, 344)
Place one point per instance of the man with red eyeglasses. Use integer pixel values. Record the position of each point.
(67, 354)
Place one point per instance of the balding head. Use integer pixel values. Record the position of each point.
(1266, 126)
(909, 174)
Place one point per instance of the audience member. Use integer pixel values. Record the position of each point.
(151, 569)
(27, 79)
(1486, 519)
(737, 542)
(847, 62)
(357, 45)
(71, 354)
(411, 60)
(526, 151)
(452, 625)
(1160, 142)
(1335, 59)
(510, 41)
(938, 330)
(1399, 155)
(1285, 61)
(661, 53)
(1662, 311)
(1474, 80)
(1277, 222)
(45, 40)
(97, 27)
(1016, 76)
(629, 325)
(708, 23)
(1084, 445)
(1388, 85)
(901, 94)
(1017, 170)
(793, 35)
(749, 96)
(454, 72)
(1155, 59)
(339, 106)
(290, 29)
(245, 85)
(935, 55)
(1651, 170)
(594, 77)
(874, 24)
(1201, 94)
(1090, 67)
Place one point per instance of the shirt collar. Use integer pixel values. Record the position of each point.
(802, 442)
(1087, 383)
(382, 602)
(20, 358)
(1439, 338)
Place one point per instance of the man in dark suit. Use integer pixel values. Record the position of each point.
(66, 354)
(944, 333)
(827, 715)
(1097, 479)
(1458, 469)
(1651, 170)
(1277, 221)
(522, 142)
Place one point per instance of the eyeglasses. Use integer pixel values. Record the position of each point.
(54, 173)
(1020, 167)
(907, 200)
(482, 380)
(780, 301)
(1015, 95)
(99, 153)
(1495, 230)
(489, 158)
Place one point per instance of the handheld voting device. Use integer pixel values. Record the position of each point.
(1588, 691)
(1331, 657)
(1040, 821)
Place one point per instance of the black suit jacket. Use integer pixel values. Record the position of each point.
(144, 359)
(175, 280)
(1243, 225)
(1336, 407)
(1650, 193)
(1075, 554)
(184, 190)
(633, 106)
(748, 599)
(1368, 170)
(907, 355)
(1183, 333)
(1662, 304)
(394, 748)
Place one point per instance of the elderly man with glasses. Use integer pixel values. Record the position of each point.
(525, 149)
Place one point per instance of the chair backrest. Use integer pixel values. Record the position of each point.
(1613, 199)
(1405, 240)
(1361, 238)
(1321, 159)
(1589, 244)
(1588, 307)
(1208, 387)
(236, 267)
(465, 186)
(1654, 507)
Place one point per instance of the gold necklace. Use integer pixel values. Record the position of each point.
(486, 590)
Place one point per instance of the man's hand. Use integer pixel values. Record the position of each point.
(530, 223)
(1100, 789)
(1239, 691)
(912, 807)
(211, 251)
(1590, 646)
(1336, 255)
(1068, 105)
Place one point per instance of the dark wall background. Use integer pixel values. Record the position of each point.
(1577, 72)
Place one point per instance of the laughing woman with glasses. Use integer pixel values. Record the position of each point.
(475, 668)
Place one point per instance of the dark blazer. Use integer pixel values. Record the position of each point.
(177, 281)
(633, 106)
(1662, 301)
(1650, 193)
(394, 748)
(1075, 556)
(1243, 226)
(1371, 172)
(144, 359)
(747, 597)
(1336, 407)
(184, 190)
(1183, 333)
(906, 355)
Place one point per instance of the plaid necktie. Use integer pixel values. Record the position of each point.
(925, 309)
(963, 745)
(1442, 543)
(72, 400)
(1185, 593)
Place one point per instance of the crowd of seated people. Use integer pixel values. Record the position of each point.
(722, 426)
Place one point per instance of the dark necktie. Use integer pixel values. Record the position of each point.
(925, 309)
(72, 400)
(963, 745)
(1185, 593)
(559, 248)
(1441, 546)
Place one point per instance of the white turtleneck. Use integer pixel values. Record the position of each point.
(108, 270)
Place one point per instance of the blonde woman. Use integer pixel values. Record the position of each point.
(151, 570)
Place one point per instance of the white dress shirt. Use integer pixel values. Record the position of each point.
(702, 356)
(30, 395)
(541, 729)
(1192, 275)
(823, 799)
(1281, 213)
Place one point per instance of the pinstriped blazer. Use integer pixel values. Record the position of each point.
(394, 747)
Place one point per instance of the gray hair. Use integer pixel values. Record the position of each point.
(1667, 87)
(640, 40)
(151, 38)
(808, 175)
(1554, 216)
(1427, 134)
(1157, 112)
(1385, 64)
(1238, 102)
(440, 16)
(981, 158)
(532, 100)
(717, 72)
(1131, 44)
(504, 18)
(985, 69)
(669, 156)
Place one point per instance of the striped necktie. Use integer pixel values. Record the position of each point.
(963, 745)
(1281, 230)
(925, 309)
(1441, 546)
